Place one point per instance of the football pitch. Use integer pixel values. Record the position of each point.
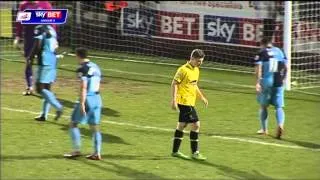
(138, 124)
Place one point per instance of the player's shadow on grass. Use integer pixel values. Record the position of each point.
(118, 169)
(123, 170)
(133, 157)
(302, 143)
(66, 103)
(104, 156)
(107, 138)
(234, 173)
(30, 157)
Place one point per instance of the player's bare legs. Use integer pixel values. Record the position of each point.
(263, 115)
(97, 140)
(76, 141)
(178, 136)
(181, 126)
(194, 141)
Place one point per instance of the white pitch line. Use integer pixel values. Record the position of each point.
(308, 93)
(263, 143)
(164, 76)
(161, 63)
(154, 75)
(171, 130)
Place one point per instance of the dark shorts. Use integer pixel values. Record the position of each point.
(188, 114)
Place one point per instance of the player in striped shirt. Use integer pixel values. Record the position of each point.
(88, 109)
(271, 71)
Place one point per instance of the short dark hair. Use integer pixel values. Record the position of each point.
(197, 54)
(82, 52)
(265, 41)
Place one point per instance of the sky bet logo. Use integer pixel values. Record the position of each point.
(221, 29)
(36, 16)
(48, 14)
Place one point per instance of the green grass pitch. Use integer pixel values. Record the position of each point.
(138, 124)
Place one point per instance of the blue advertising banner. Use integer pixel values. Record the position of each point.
(36, 16)
(221, 29)
(139, 21)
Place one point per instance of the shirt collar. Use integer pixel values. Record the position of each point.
(188, 65)
(85, 61)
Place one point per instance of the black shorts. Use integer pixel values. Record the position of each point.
(188, 114)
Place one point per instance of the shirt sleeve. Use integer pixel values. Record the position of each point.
(257, 58)
(40, 37)
(284, 57)
(83, 73)
(38, 32)
(180, 74)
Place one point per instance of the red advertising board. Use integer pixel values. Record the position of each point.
(251, 32)
(178, 25)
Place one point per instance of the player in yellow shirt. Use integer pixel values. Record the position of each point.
(185, 91)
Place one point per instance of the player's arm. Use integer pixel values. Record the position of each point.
(39, 33)
(178, 77)
(258, 68)
(35, 50)
(174, 90)
(83, 74)
(83, 95)
(258, 72)
(285, 68)
(202, 97)
(285, 73)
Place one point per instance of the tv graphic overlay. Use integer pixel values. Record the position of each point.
(36, 16)
(23, 16)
